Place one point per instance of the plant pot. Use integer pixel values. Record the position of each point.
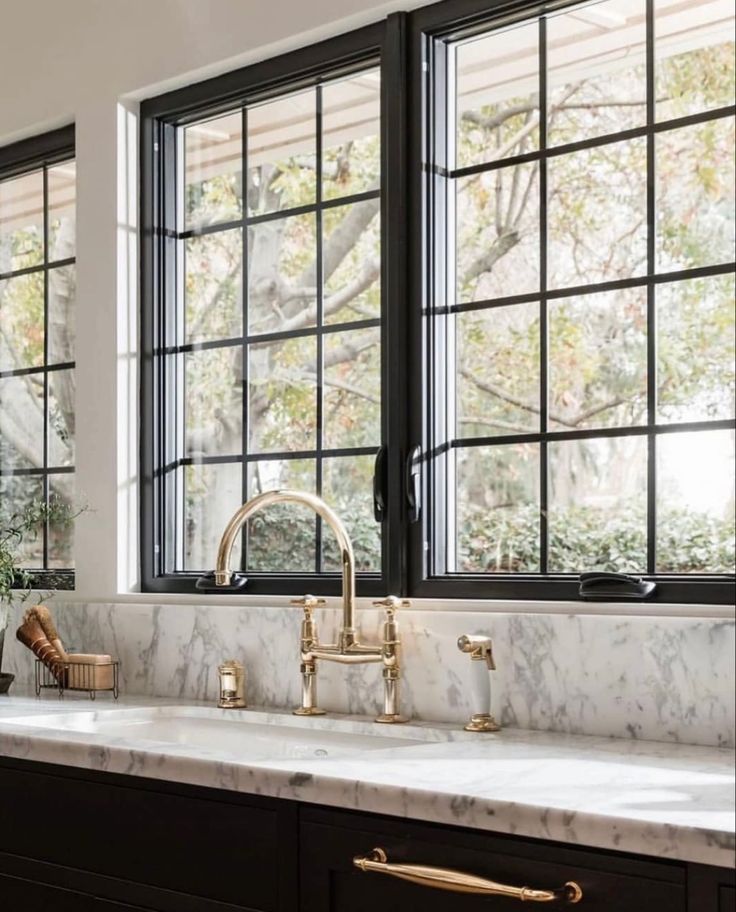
(4, 612)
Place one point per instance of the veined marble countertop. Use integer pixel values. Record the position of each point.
(665, 800)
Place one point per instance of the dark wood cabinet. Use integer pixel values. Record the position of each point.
(77, 840)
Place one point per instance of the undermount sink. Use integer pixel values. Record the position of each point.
(247, 735)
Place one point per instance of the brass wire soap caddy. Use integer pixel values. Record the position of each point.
(80, 676)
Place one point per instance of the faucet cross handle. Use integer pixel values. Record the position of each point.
(309, 603)
(392, 603)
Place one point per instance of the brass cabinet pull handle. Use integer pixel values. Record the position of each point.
(458, 882)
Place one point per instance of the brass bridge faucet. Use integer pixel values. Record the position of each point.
(348, 650)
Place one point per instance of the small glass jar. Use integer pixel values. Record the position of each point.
(232, 685)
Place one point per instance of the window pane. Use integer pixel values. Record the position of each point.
(695, 349)
(597, 505)
(17, 493)
(62, 210)
(695, 502)
(213, 163)
(597, 214)
(352, 262)
(695, 57)
(497, 79)
(695, 195)
(351, 157)
(283, 537)
(21, 322)
(497, 509)
(282, 153)
(213, 286)
(61, 326)
(282, 275)
(212, 494)
(61, 417)
(352, 389)
(598, 360)
(61, 536)
(497, 244)
(498, 371)
(21, 222)
(21, 422)
(347, 486)
(214, 402)
(596, 70)
(282, 406)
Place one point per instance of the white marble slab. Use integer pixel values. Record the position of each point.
(662, 800)
(665, 679)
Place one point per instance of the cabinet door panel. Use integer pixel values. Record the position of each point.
(17, 894)
(329, 879)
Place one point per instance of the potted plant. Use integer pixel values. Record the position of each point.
(15, 582)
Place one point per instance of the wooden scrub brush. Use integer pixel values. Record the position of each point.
(32, 634)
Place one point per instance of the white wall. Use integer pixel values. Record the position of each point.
(90, 62)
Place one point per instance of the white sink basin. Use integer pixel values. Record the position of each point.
(246, 735)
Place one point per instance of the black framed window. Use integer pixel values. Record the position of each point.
(578, 175)
(37, 298)
(541, 260)
(269, 346)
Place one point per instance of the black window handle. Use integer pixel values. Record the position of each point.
(413, 480)
(380, 480)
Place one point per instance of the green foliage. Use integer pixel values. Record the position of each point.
(15, 582)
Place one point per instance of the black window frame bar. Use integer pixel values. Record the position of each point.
(432, 28)
(16, 159)
(160, 117)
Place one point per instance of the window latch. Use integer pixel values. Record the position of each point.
(413, 480)
(380, 481)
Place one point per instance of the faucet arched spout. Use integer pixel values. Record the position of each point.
(223, 573)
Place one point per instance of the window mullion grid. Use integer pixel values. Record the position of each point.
(46, 486)
(245, 326)
(446, 128)
(319, 266)
(651, 299)
(543, 315)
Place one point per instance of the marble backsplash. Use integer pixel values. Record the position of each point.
(663, 679)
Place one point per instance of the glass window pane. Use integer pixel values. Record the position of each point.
(695, 195)
(351, 121)
(17, 493)
(214, 402)
(61, 417)
(497, 244)
(497, 95)
(498, 371)
(282, 153)
(283, 537)
(61, 326)
(347, 486)
(497, 509)
(694, 46)
(695, 349)
(598, 505)
(695, 502)
(21, 322)
(61, 536)
(213, 286)
(596, 70)
(211, 494)
(21, 222)
(352, 262)
(598, 360)
(282, 403)
(352, 389)
(597, 214)
(213, 171)
(21, 422)
(62, 210)
(282, 275)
